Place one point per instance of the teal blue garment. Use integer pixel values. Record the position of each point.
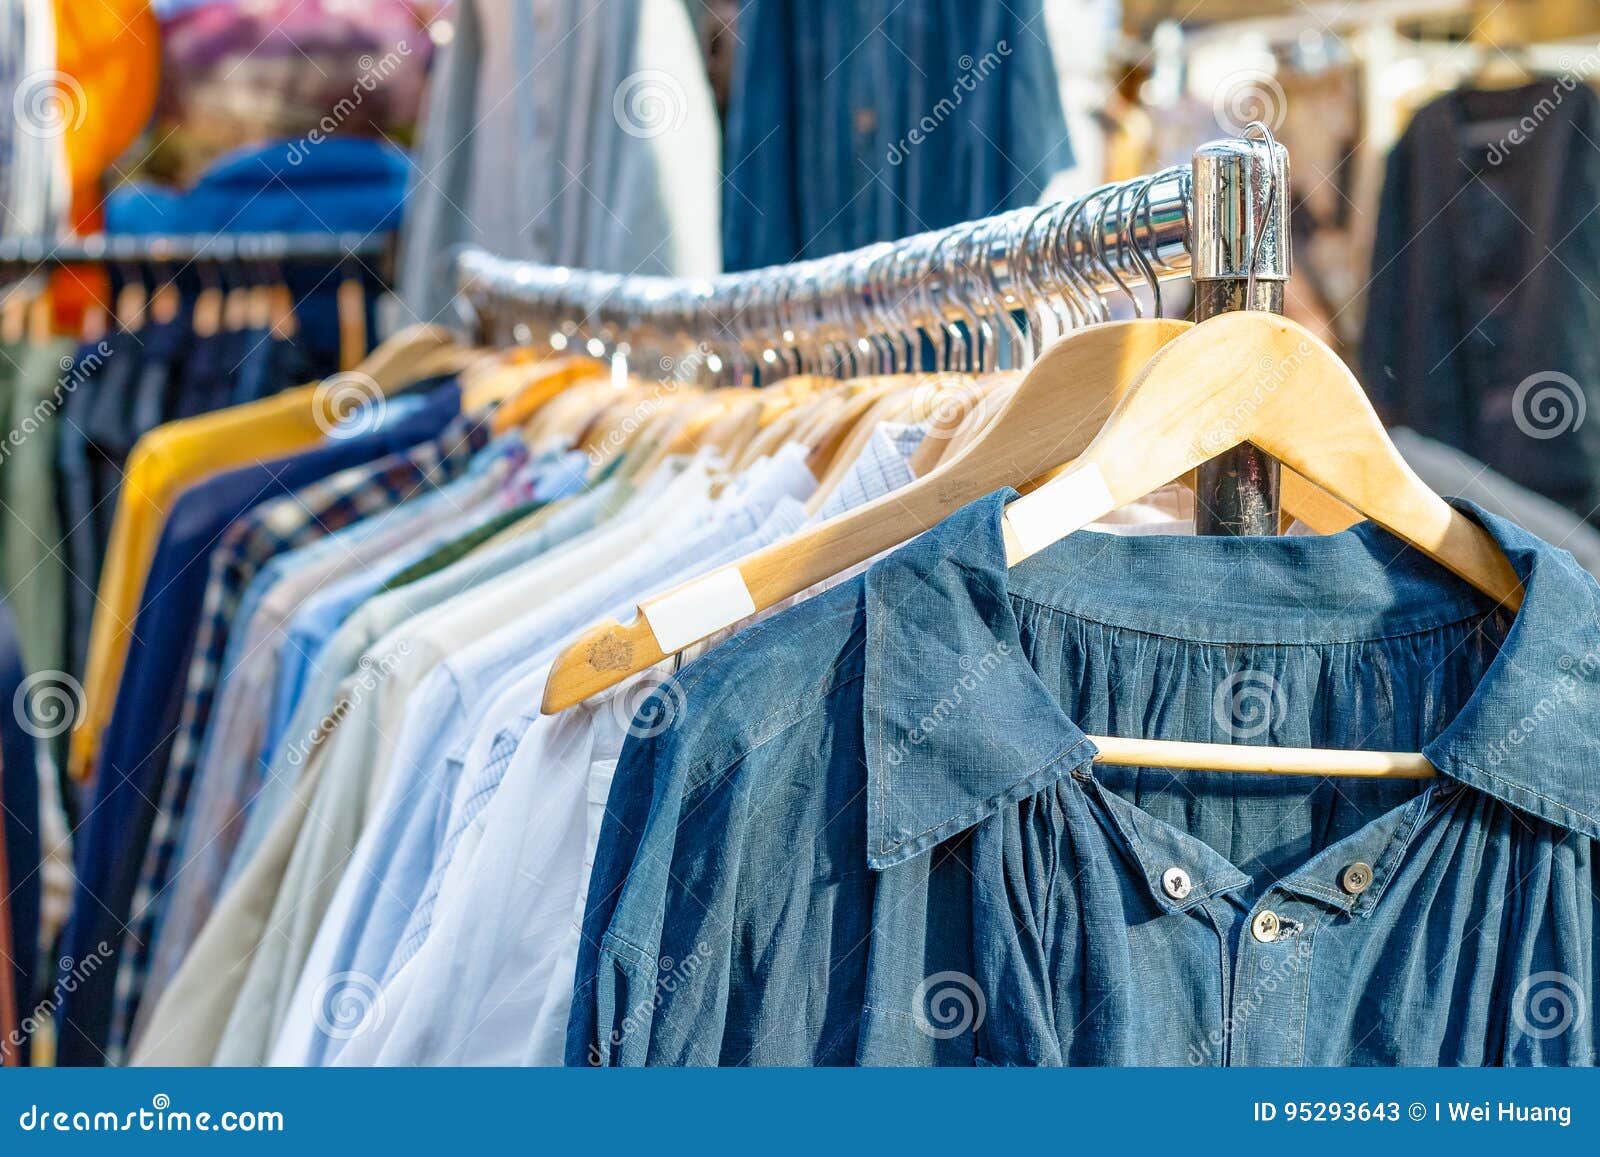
(874, 834)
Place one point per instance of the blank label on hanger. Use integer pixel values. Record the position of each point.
(702, 608)
(1036, 520)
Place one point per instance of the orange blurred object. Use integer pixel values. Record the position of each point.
(109, 57)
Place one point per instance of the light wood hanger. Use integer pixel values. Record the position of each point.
(350, 305)
(1063, 400)
(206, 316)
(780, 431)
(41, 318)
(1263, 379)
(1300, 500)
(389, 365)
(132, 302)
(285, 322)
(1052, 415)
(560, 421)
(260, 305)
(542, 384)
(455, 360)
(954, 430)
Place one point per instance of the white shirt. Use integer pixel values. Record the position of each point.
(393, 862)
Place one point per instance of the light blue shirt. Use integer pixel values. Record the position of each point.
(377, 618)
(382, 886)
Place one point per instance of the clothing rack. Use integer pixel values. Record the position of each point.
(209, 248)
(1223, 222)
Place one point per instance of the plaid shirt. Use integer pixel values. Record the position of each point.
(243, 550)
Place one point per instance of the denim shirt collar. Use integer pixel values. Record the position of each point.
(958, 725)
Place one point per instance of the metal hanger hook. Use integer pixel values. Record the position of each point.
(1260, 227)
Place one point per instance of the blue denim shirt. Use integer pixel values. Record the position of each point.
(874, 833)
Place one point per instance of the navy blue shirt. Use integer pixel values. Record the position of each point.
(111, 842)
(874, 833)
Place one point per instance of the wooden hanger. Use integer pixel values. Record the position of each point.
(534, 388)
(1061, 403)
(389, 365)
(285, 322)
(260, 306)
(1051, 416)
(1262, 379)
(41, 318)
(350, 305)
(1301, 501)
(132, 300)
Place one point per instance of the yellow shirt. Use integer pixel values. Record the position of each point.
(166, 462)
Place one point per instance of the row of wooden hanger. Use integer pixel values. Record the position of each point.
(228, 301)
(1106, 415)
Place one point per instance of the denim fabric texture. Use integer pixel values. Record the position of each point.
(874, 833)
(855, 121)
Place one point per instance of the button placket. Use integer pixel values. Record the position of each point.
(1265, 927)
(1267, 1002)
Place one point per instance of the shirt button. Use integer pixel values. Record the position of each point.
(1265, 927)
(1357, 878)
(1175, 882)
